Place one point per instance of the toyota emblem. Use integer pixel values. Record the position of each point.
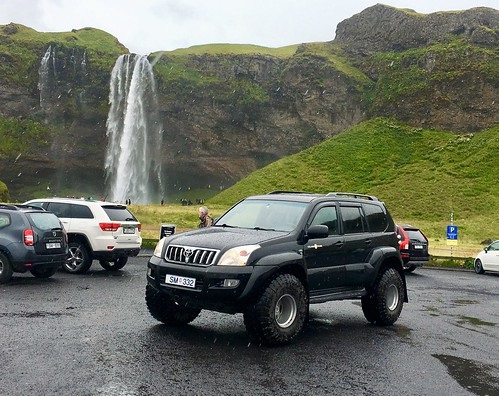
(187, 254)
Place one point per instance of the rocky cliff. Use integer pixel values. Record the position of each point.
(229, 110)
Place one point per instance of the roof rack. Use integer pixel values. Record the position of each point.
(8, 206)
(353, 195)
(288, 192)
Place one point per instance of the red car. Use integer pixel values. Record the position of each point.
(413, 247)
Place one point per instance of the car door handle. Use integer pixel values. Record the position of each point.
(367, 241)
(339, 244)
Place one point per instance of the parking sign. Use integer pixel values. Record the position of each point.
(451, 235)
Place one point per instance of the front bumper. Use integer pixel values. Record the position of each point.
(210, 292)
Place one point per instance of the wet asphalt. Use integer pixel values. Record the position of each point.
(92, 335)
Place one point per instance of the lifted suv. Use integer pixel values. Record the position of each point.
(270, 256)
(30, 240)
(99, 230)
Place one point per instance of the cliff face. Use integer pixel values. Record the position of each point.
(382, 28)
(228, 111)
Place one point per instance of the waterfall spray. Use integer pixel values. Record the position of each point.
(133, 156)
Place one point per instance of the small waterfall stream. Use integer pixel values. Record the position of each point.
(44, 77)
(133, 155)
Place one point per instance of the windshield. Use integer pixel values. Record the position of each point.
(264, 214)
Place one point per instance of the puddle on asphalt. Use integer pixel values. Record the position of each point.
(38, 314)
(433, 311)
(472, 376)
(465, 302)
(403, 331)
(474, 321)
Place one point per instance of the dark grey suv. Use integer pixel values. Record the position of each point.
(270, 256)
(31, 239)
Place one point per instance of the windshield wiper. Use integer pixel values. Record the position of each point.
(263, 229)
(225, 225)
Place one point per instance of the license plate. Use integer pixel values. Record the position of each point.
(55, 245)
(128, 230)
(180, 281)
(418, 246)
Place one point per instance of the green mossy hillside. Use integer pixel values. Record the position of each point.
(422, 175)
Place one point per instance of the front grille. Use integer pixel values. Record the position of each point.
(191, 255)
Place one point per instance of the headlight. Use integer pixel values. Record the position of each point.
(238, 256)
(159, 248)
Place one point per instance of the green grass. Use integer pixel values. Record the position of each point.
(230, 49)
(422, 175)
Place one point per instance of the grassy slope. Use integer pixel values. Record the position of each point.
(422, 176)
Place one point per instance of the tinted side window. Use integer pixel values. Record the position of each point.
(494, 246)
(376, 218)
(4, 220)
(59, 209)
(40, 204)
(81, 212)
(327, 216)
(352, 219)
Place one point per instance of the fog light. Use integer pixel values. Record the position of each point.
(231, 282)
(149, 272)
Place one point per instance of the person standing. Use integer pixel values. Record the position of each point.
(204, 217)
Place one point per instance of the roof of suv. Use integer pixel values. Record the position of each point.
(308, 197)
(76, 200)
(19, 207)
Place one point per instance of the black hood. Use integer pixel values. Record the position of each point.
(223, 237)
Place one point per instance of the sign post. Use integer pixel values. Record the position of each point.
(452, 233)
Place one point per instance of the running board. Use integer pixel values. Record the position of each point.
(330, 295)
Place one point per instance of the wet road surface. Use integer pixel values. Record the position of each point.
(92, 335)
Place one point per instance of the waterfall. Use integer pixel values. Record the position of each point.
(44, 78)
(133, 155)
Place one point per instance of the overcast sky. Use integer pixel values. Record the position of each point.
(146, 26)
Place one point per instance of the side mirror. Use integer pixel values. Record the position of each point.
(317, 231)
(486, 249)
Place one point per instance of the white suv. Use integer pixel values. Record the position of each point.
(100, 230)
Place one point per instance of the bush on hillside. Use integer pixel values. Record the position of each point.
(4, 192)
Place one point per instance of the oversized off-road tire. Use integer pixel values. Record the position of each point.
(164, 309)
(478, 266)
(114, 265)
(43, 272)
(6, 270)
(384, 305)
(79, 260)
(280, 312)
(410, 269)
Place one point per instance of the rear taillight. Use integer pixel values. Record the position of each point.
(29, 237)
(109, 226)
(139, 227)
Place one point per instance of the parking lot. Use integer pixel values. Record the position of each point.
(91, 334)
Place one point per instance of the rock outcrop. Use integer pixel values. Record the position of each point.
(381, 28)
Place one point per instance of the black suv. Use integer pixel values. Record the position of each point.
(413, 247)
(270, 256)
(31, 239)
